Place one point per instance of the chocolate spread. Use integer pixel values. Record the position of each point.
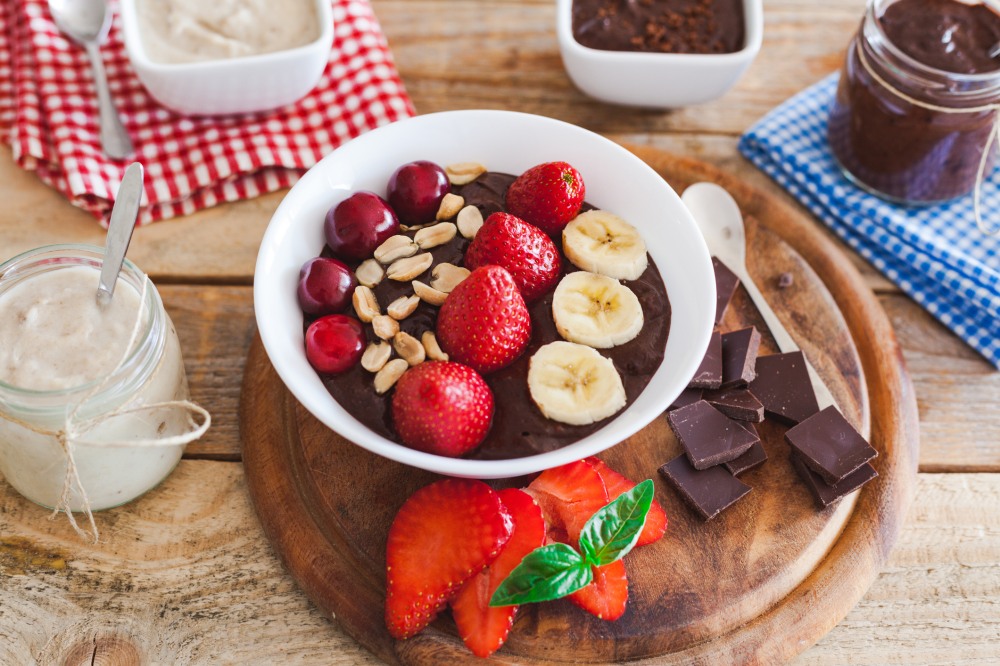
(518, 428)
(944, 34)
(660, 26)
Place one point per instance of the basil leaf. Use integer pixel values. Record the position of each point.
(548, 572)
(613, 530)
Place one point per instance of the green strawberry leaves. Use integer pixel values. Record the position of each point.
(558, 570)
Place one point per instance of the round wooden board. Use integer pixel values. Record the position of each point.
(760, 583)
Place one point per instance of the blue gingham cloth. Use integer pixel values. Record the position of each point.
(936, 254)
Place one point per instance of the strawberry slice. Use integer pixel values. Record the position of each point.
(607, 596)
(530, 256)
(482, 628)
(569, 495)
(548, 196)
(616, 484)
(444, 534)
(484, 323)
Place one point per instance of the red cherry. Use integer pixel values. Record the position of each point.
(325, 286)
(359, 224)
(334, 344)
(415, 191)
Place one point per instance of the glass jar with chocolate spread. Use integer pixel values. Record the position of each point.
(915, 107)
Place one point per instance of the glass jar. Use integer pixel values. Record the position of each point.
(32, 458)
(900, 150)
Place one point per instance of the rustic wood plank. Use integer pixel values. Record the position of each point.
(935, 602)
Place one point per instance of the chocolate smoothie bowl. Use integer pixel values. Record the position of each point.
(674, 289)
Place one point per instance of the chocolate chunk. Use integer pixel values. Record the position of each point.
(785, 280)
(826, 494)
(687, 396)
(707, 491)
(754, 457)
(725, 286)
(709, 373)
(739, 357)
(829, 445)
(708, 436)
(782, 385)
(738, 404)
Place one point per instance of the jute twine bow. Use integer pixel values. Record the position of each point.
(76, 428)
(993, 136)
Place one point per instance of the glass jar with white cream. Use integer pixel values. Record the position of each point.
(106, 382)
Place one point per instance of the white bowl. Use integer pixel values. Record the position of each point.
(503, 141)
(230, 85)
(656, 80)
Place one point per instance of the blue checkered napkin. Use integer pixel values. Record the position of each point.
(936, 254)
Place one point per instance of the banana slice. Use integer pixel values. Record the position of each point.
(595, 310)
(574, 384)
(601, 242)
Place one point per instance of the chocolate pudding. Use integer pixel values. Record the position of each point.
(660, 26)
(518, 428)
(937, 53)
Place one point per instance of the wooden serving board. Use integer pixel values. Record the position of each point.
(760, 583)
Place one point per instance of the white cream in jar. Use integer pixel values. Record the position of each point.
(64, 368)
(176, 31)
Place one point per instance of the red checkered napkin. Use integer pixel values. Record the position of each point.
(48, 114)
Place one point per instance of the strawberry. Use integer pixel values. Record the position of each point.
(442, 407)
(616, 484)
(530, 256)
(547, 195)
(484, 323)
(607, 596)
(482, 628)
(444, 534)
(569, 495)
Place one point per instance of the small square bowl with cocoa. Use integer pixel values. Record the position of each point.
(658, 54)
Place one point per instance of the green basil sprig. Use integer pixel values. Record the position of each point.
(558, 570)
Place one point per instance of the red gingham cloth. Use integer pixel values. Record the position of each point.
(48, 114)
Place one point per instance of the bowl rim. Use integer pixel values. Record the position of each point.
(753, 13)
(274, 333)
(131, 35)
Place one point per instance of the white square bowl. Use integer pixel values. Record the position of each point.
(230, 85)
(656, 80)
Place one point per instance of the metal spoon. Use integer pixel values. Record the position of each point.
(718, 216)
(123, 216)
(87, 23)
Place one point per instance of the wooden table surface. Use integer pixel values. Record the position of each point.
(184, 575)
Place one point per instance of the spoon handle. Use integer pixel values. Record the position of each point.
(123, 216)
(114, 138)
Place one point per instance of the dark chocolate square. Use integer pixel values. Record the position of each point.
(754, 457)
(830, 445)
(739, 356)
(709, 373)
(782, 385)
(738, 404)
(708, 436)
(826, 494)
(707, 491)
(725, 286)
(687, 396)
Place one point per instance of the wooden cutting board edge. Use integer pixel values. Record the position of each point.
(840, 580)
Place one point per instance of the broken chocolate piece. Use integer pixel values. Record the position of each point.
(725, 286)
(707, 491)
(708, 436)
(739, 357)
(709, 373)
(754, 457)
(687, 396)
(829, 445)
(826, 494)
(782, 385)
(738, 404)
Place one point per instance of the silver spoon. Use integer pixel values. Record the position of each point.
(718, 216)
(123, 216)
(87, 23)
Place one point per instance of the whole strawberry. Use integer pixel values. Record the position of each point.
(530, 256)
(484, 322)
(548, 196)
(442, 407)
